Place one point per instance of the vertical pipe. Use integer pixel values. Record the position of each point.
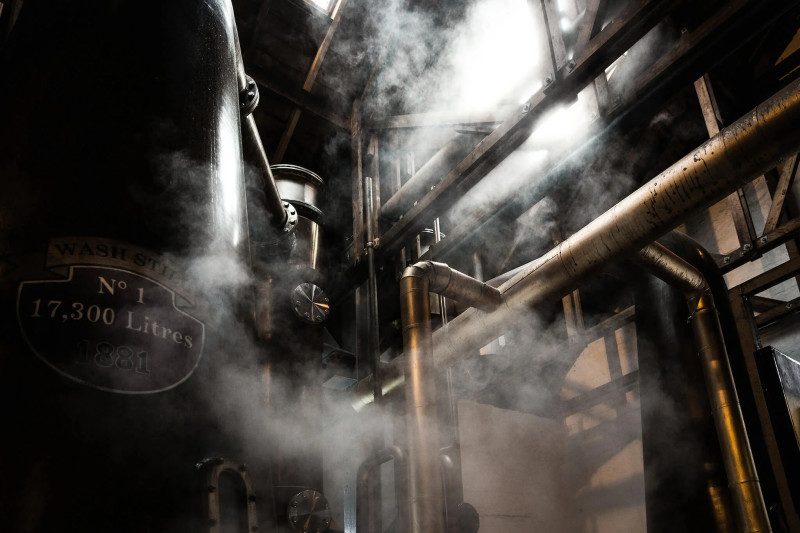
(424, 476)
(735, 446)
(684, 479)
(373, 338)
(364, 497)
(425, 490)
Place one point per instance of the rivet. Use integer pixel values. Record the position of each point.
(211, 488)
(747, 247)
(726, 259)
(571, 66)
(764, 239)
(548, 80)
(788, 305)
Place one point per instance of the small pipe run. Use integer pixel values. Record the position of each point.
(280, 212)
(278, 209)
(425, 490)
(735, 446)
(364, 503)
(373, 344)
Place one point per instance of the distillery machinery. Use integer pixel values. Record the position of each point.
(399, 266)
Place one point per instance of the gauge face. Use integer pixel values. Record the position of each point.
(309, 512)
(310, 303)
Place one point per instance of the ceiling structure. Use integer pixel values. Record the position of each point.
(369, 68)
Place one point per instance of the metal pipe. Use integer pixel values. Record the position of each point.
(745, 149)
(428, 176)
(735, 446)
(273, 203)
(373, 338)
(248, 101)
(425, 478)
(364, 475)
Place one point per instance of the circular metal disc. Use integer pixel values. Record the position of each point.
(309, 512)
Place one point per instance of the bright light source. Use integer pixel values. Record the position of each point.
(324, 5)
(496, 55)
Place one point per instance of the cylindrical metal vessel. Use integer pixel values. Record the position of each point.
(123, 245)
(302, 188)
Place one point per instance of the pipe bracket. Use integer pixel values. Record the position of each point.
(248, 97)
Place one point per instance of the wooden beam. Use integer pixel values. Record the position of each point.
(357, 190)
(668, 71)
(781, 191)
(769, 278)
(277, 85)
(440, 119)
(737, 201)
(592, 19)
(514, 131)
(308, 84)
(558, 52)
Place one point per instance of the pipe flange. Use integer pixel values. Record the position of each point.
(310, 303)
(291, 217)
(248, 97)
(309, 512)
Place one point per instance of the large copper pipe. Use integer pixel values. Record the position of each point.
(734, 444)
(425, 491)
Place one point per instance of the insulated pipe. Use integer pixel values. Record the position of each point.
(363, 477)
(735, 446)
(746, 148)
(425, 491)
(428, 176)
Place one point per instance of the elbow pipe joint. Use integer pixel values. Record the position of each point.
(363, 477)
(710, 344)
(450, 283)
(670, 268)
